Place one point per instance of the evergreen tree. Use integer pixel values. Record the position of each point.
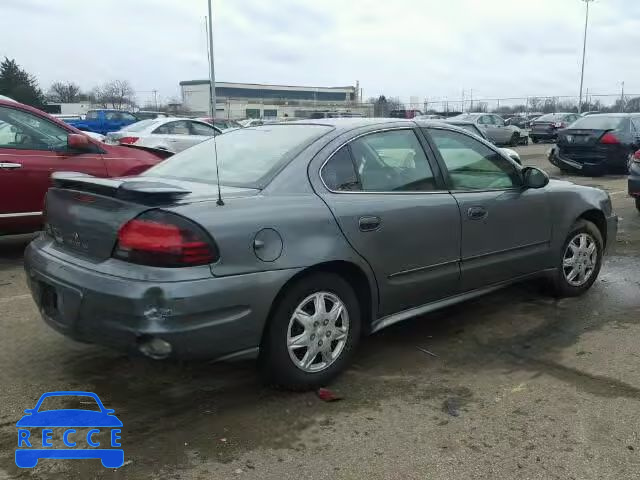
(19, 85)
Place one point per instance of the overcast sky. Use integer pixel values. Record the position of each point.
(424, 48)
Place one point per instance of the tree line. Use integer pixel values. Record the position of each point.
(23, 87)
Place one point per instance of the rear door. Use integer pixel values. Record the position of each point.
(501, 133)
(506, 230)
(390, 203)
(174, 135)
(31, 149)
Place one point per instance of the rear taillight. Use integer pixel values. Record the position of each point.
(559, 124)
(609, 139)
(128, 140)
(636, 157)
(163, 239)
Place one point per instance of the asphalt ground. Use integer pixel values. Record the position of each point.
(519, 385)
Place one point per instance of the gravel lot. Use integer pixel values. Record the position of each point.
(523, 386)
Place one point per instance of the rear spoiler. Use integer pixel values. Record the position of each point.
(135, 190)
(159, 152)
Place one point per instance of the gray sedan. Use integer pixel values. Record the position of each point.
(320, 232)
(494, 128)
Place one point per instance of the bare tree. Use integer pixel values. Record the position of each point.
(118, 94)
(64, 92)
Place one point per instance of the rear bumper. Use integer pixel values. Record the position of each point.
(204, 318)
(543, 135)
(587, 163)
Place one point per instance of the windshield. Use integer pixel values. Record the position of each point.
(597, 122)
(246, 157)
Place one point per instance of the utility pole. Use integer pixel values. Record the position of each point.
(212, 75)
(462, 101)
(622, 99)
(471, 100)
(155, 98)
(584, 51)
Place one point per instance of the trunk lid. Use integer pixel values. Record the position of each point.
(84, 213)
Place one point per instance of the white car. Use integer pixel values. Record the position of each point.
(251, 122)
(172, 134)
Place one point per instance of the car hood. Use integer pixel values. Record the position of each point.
(69, 418)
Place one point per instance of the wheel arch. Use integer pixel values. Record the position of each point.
(596, 217)
(364, 287)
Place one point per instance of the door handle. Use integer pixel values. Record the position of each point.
(477, 213)
(369, 224)
(10, 166)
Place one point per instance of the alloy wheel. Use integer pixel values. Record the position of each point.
(317, 331)
(580, 259)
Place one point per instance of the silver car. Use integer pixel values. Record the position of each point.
(319, 232)
(172, 134)
(494, 128)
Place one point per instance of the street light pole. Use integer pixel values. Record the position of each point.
(212, 75)
(584, 51)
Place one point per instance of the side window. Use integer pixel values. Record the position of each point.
(92, 115)
(112, 116)
(497, 120)
(201, 129)
(339, 173)
(392, 161)
(472, 165)
(635, 125)
(25, 131)
(128, 117)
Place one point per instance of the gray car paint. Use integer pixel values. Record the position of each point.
(220, 310)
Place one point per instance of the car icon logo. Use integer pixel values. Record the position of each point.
(68, 425)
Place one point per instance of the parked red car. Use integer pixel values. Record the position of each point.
(33, 145)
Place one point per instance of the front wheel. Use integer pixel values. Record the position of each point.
(535, 140)
(580, 260)
(638, 203)
(515, 140)
(312, 333)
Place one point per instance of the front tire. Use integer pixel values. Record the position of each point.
(638, 203)
(535, 140)
(515, 140)
(580, 260)
(312, 333)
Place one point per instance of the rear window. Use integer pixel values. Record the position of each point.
(246, 157)
(597, 122)
(139, 126)
(551, 117)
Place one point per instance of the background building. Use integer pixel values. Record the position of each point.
(248, 100)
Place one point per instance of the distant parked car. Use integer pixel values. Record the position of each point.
(519, 122)
(251, 122)
(327, 231)
(547, 126)
(494, 128)
(103, 121)
(221, 123)
(428, 117)
(33, 145)
(150, 115)
(597, 144)
(634, 177)
(402, 113)
(473, 128)
(172, 134)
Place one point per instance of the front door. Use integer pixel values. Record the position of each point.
(31, 149)
(506, 229)
(396, 215)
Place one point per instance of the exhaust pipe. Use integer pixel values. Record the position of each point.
(154, 347)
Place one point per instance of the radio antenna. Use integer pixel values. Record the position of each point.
(212, 99)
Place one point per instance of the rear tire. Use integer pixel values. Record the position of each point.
(638, 203)
(575, 261)
(515, 140)
(535, 140)
(284, 366)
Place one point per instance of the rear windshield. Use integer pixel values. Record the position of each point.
(551, 117)
(246, 157)
(139, 126)
(597, 122)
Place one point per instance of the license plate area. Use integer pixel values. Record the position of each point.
(49, 300)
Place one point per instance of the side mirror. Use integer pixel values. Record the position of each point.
(534, 177)
(76, 141)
